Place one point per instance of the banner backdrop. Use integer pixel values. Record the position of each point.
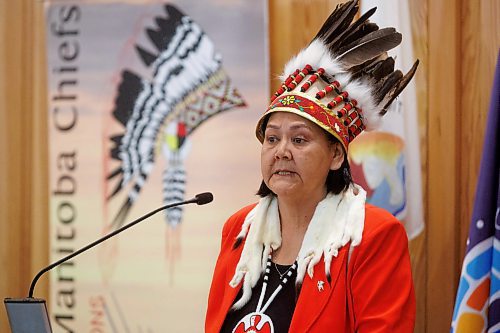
(386, 162)
(148, 104)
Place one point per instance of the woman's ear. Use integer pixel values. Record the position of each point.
(338, 156)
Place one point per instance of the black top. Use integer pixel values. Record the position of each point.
(281, 308)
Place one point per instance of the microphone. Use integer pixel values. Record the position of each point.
(199, 199)
(204, 198)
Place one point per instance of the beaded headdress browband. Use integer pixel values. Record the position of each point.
(344, 81)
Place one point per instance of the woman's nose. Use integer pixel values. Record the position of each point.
(283, 150)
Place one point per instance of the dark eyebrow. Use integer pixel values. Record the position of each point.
(299, 126)
(273, 126)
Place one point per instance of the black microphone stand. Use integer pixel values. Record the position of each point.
(200, 199)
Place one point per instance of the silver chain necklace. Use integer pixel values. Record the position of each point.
(278, 270)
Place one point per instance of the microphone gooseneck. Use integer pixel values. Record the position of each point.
(200, 199)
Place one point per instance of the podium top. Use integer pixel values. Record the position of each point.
(27, 315)
(23, 300)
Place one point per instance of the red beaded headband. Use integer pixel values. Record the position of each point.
(339, 117)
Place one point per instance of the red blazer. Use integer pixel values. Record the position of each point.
(371, 292)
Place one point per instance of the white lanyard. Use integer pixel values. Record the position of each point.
(283, 281)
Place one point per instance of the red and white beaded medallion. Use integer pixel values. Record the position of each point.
(255, 322)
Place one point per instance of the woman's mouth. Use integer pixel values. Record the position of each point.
(283, 173)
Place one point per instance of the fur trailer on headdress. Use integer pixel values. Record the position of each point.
(343, 81)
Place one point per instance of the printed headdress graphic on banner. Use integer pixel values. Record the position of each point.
(136, 98)
(188, 86)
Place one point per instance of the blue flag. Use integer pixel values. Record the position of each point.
(477, 305)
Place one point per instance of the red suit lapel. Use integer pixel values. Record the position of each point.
(316, 293)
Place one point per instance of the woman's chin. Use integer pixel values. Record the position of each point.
(284, 191)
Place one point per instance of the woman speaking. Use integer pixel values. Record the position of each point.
(311, 255)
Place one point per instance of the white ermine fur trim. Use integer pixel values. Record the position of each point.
(264, 234)
(337, 220)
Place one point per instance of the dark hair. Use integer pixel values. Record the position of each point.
(337, 181)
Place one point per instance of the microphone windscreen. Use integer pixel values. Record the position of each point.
(204, 198)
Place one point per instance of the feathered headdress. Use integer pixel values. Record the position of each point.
(344, 81)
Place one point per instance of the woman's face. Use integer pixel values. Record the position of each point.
(296, 157)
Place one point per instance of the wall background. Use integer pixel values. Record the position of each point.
(457, 42)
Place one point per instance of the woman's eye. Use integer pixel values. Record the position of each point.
(298, 140)
(271, 139)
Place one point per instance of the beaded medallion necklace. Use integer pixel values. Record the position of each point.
(258, 321)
